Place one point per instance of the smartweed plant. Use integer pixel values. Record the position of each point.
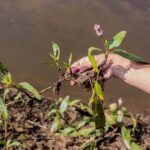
(102, 120)
(97, 98)
(96, 122)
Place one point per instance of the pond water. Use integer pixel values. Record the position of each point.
(27, 28)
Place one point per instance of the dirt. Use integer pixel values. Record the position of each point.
(85, 79)
(29, 125)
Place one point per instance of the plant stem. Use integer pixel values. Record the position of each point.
(62, 79)
(105, 46)
(46, 89)
(5, 128)
(36, 124)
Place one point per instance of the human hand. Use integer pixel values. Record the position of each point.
(114, 67)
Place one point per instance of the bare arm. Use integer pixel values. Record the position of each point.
(137, 75)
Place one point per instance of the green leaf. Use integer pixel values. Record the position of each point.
(53, 57)
(64, 104)
(129, 56)
(6, 92)
(56, 125)
(98, 90)
(98, 112)
(134, 123)
(134, 146)
(111, 119)
(86, 108)
(72, 103)
(70, 59)
(68, 130)
(126, 137)
(53, 111)
(68, 64)
(5, 76)
(83, 123)
(116, 40)
(92, 59)
(87, 132)
(56, 50)
(28, 87)
(91, 49)
(113, 107)
(3, 110)
(18, 96)
(12, 144)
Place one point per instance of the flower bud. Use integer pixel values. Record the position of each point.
(120, 101)
(99, 31)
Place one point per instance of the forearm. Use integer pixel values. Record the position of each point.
(137, 75)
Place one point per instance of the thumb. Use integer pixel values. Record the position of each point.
(108, 73)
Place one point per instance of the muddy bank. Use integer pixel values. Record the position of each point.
(29, 127)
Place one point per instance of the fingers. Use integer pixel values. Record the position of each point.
(84, 64)
(81, 65)
(107, 73)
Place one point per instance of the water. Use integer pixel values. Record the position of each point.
(28, 27)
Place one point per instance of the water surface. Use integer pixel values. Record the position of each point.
(27, 28)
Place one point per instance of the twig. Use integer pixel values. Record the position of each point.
(62, 79)
(11, 103)
(46, 89)
(36, 124)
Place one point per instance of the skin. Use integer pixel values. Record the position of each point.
(134, 74)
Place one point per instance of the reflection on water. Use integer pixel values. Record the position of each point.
(27, 27)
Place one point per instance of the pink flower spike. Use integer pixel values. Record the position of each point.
(99, 31)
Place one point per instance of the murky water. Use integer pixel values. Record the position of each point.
(27, 28)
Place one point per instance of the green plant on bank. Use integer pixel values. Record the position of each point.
(63, 124)
(6, 87)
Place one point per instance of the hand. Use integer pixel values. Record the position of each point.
(114, 67)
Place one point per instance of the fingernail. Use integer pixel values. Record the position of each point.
(75, 70)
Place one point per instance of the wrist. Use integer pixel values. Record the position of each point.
(119, 65)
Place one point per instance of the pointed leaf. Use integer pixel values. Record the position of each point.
(126, 137)
(70, 59)
(98, 90)
(56, 50)
(56, 124)
(82, 124)
(129, 56)
(28, 87)
(116, 40)
(134, 123)
(98, 112)
(64, 104)
(92, 59)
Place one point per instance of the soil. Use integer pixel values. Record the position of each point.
(28, 124)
